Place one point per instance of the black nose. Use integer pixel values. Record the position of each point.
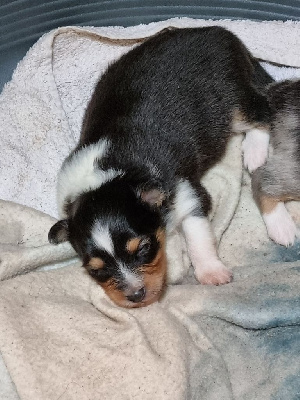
(137, 296)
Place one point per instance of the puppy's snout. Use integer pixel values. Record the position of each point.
(137, 296)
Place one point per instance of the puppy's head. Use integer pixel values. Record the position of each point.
(119, 235)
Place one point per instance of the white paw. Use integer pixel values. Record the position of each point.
(214, 274)
(280, 226)
(255, 148)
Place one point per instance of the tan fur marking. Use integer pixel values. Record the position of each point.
(95, 263)
(267, 203)
(161, 236)
(156, 271)
(133, 244)
(155, 275)
(238, 116)
(240, 124)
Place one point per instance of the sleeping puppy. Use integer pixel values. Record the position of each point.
(159, 118)
(278, 180)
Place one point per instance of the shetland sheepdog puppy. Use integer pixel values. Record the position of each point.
(158, 119)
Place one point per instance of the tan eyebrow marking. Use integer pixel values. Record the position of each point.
(96, 263)
(161, 236)
(133, 244)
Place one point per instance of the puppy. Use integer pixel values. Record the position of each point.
(159, 118)
(278, 180)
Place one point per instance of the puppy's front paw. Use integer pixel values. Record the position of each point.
(280, 226)
(215, 274)
(255, 148)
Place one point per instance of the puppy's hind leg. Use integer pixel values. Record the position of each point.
(254, 121)
(255, 148)
(280, 226)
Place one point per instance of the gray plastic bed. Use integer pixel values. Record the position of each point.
(22, 22)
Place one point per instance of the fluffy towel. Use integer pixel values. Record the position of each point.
(60, 337)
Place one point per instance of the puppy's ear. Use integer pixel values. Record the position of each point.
(154, 197)
(59, 232)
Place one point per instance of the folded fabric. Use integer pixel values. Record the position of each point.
(61, 338)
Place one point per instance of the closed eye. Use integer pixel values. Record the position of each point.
(138, 246)
(146, 251)
(144, 247)
(100, 274)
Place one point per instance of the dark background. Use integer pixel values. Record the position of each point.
(22, 22)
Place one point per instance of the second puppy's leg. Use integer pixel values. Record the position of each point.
(254, 119)
(255, 148)
(280, 225)
(270, 188)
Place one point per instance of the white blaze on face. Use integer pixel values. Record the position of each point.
(132, 281)
(102, 237)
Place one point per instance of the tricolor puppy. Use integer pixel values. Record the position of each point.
(159, 118)
(278, 180)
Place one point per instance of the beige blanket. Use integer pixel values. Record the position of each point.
(60, 337)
